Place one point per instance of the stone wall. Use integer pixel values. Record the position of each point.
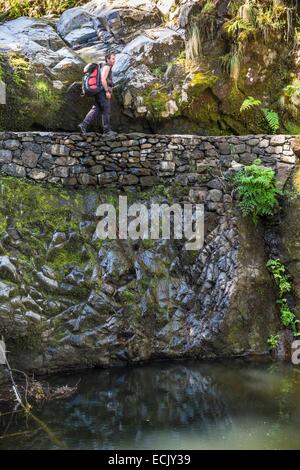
(136, 159)
(68, 301)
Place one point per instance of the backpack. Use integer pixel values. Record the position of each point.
(91, 82)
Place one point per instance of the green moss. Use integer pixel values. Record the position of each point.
(20, 69)
(158, 70)
(200, 82)
(180, 59)
(30, 101)
(292, 128)
(46, 96)
(148, 243)
(1, 70)
(129, 296)
(36, 207)
(202, 109)
(32, 341)
(64, 258)
(156, 102)
(37, 211)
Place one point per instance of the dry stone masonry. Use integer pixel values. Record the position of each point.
(137, 159)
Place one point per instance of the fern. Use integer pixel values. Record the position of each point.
(231, 63)
(238, 26)
(249, 103)
(257, 190)
(272, 119)
(281, 278)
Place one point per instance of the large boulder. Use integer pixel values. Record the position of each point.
(39, 71)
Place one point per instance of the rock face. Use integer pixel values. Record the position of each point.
(70, 300)
(181, 66)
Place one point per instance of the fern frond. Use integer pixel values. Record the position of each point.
(249, 103)
(272, 119)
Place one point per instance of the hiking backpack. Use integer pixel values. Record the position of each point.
(91, 83)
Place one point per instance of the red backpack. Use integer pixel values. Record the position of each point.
(91, 82)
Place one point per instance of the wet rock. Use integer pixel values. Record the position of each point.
(33, 316)
(5, 291)
(7, 269)
(46, 282)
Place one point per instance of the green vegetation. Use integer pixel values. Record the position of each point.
(282, 280)
(14, 8)
(249, 103)
(292, 128)
(200, 82)
(1, 71)
(231, 63)
(271, 117)
(158, 70)
(129, 296)
(156, 101)
(273, 341)
(257, 190)
(20, 69)
(260, 18)
(37, 207)
(46, 96)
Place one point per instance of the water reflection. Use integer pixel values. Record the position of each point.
(183, 405)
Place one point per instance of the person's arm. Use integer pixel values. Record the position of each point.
(104, 75)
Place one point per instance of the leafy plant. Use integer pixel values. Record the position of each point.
(292, 128)
(193, 45)
(284, 284)
(273, 341)
(286, 315)
(257, 190)
(272, 119)
(36, 8)
(239, 27)
(277, 270)
(292, 89)
(158, 70)
(20, 69)
(270, 116)
(231, 63)
(249, 103)
(208, 8)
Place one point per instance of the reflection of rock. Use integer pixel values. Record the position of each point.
(170, 397)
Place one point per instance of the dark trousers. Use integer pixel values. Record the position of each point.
(101, 106)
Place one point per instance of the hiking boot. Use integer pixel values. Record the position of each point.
(83, 127)
(110, 134)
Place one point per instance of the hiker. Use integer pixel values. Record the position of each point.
(102, 97)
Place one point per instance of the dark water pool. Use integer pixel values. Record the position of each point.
(168, 406)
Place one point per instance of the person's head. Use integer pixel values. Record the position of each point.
(110, 58)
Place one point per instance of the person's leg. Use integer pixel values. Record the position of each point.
(105, 110)
(91, 116)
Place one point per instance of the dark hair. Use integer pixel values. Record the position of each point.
(108, 56)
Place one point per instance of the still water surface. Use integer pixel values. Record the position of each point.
(189, 405)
